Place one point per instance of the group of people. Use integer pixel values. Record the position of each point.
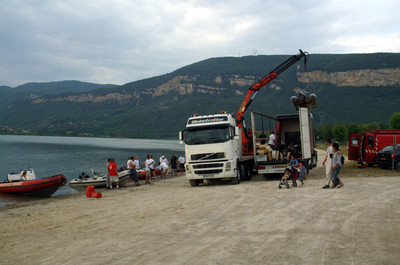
(295, 170)
(133, 164)
(333, 165)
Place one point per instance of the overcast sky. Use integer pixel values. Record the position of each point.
(120, 41)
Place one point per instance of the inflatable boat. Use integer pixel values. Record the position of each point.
(99, 180)
(25, 183)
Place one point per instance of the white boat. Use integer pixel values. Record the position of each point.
(99, 180)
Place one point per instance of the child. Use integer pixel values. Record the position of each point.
(285, 178)
(336, 166)
(302, 173)
(294, 164)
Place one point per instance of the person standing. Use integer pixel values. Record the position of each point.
(336, 166)
(112, 169)
(152, 166)
(174, 164)
(302, 173)
(181, 161)
(272, 140)
(134, 174)
(328, 163)
(129, 163)
(132, 168)
(108, 174)
(136, 162)
(147, 167)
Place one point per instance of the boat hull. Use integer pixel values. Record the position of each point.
(44, 187)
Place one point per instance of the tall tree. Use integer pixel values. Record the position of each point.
(340, 132)
(373, 126)
(395, 121)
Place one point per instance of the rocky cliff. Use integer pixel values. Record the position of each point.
(355, 78)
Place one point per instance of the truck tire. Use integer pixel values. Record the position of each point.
(238, 173)
(193, 183)
(314, 159)
(249, 170)
(246, 171)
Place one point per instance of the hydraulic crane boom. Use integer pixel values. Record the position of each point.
(253, 90)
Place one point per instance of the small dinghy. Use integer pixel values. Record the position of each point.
(25, 183)
(98, 179)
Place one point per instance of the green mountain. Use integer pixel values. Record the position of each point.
(31, 91)
(359, 88)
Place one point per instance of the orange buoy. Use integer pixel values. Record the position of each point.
(96, 195)
(89, 191)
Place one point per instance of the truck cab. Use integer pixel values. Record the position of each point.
(212, 147)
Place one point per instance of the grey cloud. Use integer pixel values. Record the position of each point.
(108, 41)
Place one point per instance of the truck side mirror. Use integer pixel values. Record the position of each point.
(237, 133)
(180, 138)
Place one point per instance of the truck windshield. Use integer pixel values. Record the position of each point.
(206, 135)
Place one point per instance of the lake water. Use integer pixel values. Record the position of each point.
(70, 156)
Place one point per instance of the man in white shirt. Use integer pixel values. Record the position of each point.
(272, 139)
(328, 163)
(148, 171)
(163, 159)
(129, 163)
(152, 166)
(182, 161)
(164, 169)
(136, 162)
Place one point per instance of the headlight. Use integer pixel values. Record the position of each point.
(228, 166)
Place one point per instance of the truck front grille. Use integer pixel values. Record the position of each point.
(208, 168)
(207, 156)
(206, 172)
(208, 165)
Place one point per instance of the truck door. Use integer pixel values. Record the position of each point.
(354, 147)
(369, 148)
(305, 133)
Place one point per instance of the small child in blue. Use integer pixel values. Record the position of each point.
(302, 173)
(294, 164)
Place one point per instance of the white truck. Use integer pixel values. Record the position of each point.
(213, 148)
(219, 146)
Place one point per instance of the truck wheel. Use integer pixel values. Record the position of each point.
(314, 160)
(193, 183)
(246, 171)
(238, 173)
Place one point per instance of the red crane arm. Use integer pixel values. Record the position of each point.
(253, 90)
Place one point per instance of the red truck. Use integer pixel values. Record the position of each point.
(364, 148)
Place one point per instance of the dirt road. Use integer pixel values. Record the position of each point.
(172, 223)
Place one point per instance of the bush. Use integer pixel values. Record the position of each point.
(395, 121)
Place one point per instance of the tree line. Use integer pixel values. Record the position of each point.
(341, 132)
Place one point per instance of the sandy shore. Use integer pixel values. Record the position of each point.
(170, 222)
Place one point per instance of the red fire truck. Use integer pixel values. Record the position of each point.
(364, 148)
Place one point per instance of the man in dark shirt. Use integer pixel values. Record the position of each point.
(174, 165)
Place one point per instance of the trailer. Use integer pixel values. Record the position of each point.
(294, 136)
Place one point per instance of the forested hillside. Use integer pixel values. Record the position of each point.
(351, 88)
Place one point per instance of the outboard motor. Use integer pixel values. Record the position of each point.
(84, 175)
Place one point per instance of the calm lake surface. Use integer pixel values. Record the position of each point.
(70, 156)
